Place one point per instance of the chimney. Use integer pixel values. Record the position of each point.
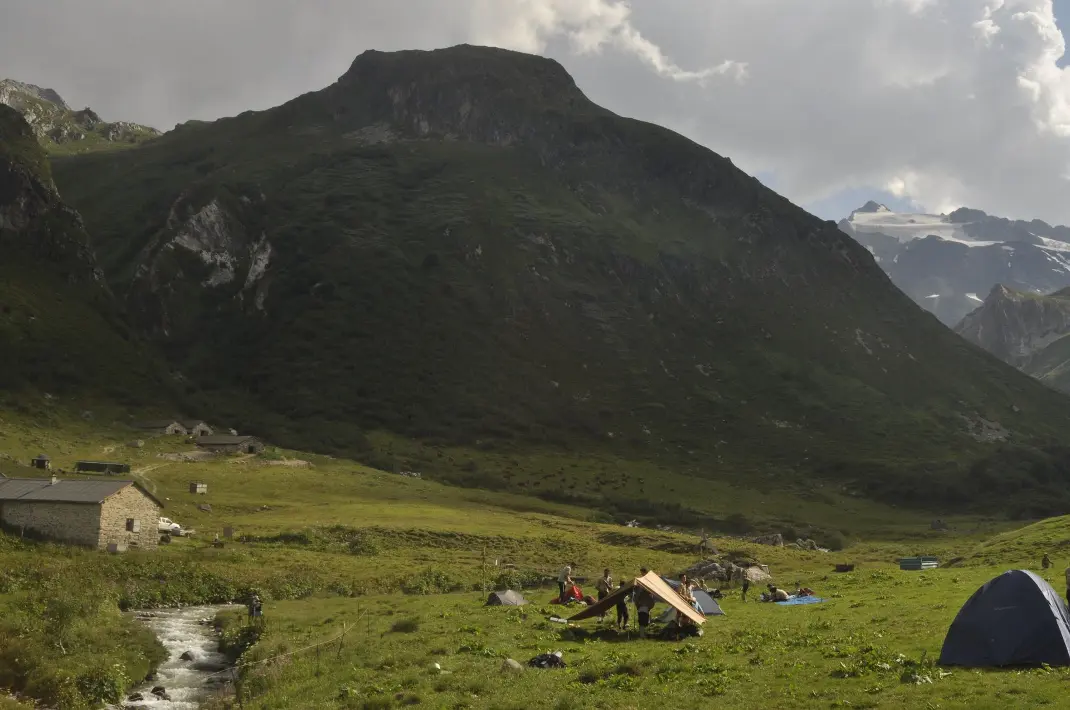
(55, 480)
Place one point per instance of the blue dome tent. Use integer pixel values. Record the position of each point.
(1016, 619)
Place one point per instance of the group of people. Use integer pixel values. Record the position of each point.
(776, 594)
(642, 598)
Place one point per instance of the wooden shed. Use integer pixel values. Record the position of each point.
(198, 487)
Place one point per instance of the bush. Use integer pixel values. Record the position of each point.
(834, 541)
(405, 626)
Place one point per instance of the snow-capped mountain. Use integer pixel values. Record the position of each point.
(948, 263)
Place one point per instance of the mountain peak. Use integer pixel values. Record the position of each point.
(464, 64)
(1000, 291)
(54, 123)
(872, 206)
(478, 93)
(10, 88)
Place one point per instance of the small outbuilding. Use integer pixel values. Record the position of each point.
(1016, 619)
(42, 462)
(198, 488)
(97, 513)
(231, 444)
(918, 563)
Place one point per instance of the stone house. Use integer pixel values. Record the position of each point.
(162, 427)
(42, 462)
(231, 444)
(96, 514)
(196, 427)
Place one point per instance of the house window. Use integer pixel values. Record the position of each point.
(133, 525)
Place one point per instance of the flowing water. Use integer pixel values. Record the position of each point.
(186, 683)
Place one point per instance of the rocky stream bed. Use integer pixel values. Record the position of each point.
(194, 669)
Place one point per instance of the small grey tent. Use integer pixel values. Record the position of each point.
(506, 598)
(1016, 619)
(706, 604)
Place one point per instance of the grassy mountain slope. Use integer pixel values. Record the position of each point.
(459, 246)
(60, 332)
(63, 131)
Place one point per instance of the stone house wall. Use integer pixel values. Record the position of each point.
(254, 446)
(129, 504)
(77, 523)
(201, 429)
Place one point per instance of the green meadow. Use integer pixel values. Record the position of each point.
(370, 578)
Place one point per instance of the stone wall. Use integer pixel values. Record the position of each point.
(77, 523)
(129, 503)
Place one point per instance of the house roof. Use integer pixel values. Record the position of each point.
(223, 440)
(40, 457)
(65, 491)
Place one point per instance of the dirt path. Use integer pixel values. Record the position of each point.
(143, 473)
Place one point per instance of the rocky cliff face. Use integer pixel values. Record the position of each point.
(59, 128)
(1026, 330)
(60, 330)
(33, 219)
(1015, 326)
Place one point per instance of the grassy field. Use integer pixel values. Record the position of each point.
(398, 563)
(874, 643)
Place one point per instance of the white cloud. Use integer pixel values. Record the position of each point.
(949, 102)
(590, 26)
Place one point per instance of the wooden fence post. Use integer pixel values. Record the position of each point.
(341, 640)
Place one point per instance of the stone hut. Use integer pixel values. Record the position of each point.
(96, 514)
(162, 427)
(42, 462)
(196, 427)
(231, 444)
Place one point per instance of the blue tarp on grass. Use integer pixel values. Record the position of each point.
(797, 601)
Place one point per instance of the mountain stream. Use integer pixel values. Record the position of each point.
(185, 682)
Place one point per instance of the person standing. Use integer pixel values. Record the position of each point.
(604, 587)
(746, 585)
(562, 578)
(1046, 562)
(1068, 585)
(622, 610)
(644, 602)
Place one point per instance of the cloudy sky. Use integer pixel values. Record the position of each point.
(939, 103)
